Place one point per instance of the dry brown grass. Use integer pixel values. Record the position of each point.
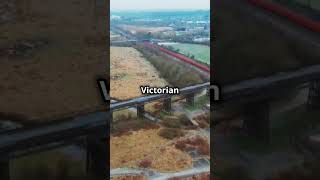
(194, 143)
(142, 148)
(204, 176)
(131, 177)
(171, 133)
(174, 72)
(57, 80)
(203, 120)
(176, 121)
(129, 71)
(127, 126)
(146, 163)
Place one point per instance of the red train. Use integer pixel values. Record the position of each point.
(179, 56)
(290, 15)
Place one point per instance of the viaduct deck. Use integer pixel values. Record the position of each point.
(27, 141)
(97, 123)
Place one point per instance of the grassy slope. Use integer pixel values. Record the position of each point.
(176, 74)
(245, 48)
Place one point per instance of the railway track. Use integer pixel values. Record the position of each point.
(180, 57)
(292, 16)
(291, 24)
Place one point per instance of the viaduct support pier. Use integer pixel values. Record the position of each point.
(97, 156)
(5, 168)
(257, 120)
(257, 114)
(140, 111)
(256, 95)
(314, 95)
(167, 104)
(190, 99)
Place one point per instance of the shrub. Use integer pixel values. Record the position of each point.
(197, 143)
(176, 122)
(171, 133)
(146, 163)
(177, 74)
(203, 120)
(184, 120)
(171, 122)
(127, 123)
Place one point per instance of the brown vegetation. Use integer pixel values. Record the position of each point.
(142, 148)
(171, 133)
(176, 73)
(127, 124)
(48, 68)
(204, 176)
(129, 71)
(203, 120)
(177, 121)
(145, 163)
(194, 143)
(129, 177)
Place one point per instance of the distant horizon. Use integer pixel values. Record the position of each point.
(157, 10)
(156, 5)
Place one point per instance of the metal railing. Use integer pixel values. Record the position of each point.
(94, 123)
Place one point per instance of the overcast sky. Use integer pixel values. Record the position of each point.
(159, 4)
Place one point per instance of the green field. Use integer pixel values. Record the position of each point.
(315, 4)
(200, 52)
